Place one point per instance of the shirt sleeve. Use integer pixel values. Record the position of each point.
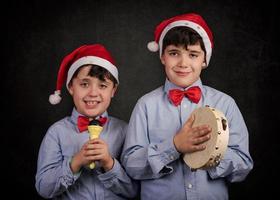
(237, 162)
(118, 181)
(142, 159)
(53, 175)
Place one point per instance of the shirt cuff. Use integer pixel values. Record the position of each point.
(74, 176)
(161, 155)
(111, 173)
(108, 177)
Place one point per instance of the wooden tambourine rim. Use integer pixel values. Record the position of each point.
(216, 146)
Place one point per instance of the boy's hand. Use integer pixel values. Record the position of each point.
(190, 139)
(81, 158)
(93, 150)
(100, 152)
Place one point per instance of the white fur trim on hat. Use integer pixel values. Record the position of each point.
(200, 30)
(55, 98)
(94, 60)
(153, 46)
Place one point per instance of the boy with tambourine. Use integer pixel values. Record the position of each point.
(161, 129)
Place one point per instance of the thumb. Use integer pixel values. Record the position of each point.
(190, 121)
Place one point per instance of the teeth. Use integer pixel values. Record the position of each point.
(91, 103)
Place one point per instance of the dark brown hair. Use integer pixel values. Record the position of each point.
(184, 36)
(96, 71)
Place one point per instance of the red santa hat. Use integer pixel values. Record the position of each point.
(191, 20)
(95, 54)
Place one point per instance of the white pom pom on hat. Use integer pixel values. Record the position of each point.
(153, 46)
(191, 20)
(55, 98)
(94, 54)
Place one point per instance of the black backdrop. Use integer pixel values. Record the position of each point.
(38, 34)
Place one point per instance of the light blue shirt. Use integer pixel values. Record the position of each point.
(149, 154)
(54, 178)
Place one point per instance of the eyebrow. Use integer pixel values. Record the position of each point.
(190, 50)
(82, 79)
(106, 81)
(194, 51)
(173, 49)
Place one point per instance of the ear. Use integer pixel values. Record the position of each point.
(204, 64)
(114, 91)
(70, 89)
(162, 59)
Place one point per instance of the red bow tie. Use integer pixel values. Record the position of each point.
(193, 93)
(83, 122)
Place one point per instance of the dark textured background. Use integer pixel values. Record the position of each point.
(38, 34)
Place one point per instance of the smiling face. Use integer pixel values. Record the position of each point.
(91, 95)
(183, 65)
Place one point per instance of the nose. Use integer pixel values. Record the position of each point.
(184, 61)
(93, 91)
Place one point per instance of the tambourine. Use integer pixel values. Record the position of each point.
(216, 146)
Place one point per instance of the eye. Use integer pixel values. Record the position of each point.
(192, 55)
(84, 84)
(173, 53)
(103, 86)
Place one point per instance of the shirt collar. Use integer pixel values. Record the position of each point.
(169, 85)
(75, 114)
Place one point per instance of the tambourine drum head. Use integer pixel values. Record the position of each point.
(207, 115)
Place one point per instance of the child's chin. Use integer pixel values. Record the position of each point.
(94, 113)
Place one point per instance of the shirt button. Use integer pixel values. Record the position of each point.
(190, 186)
(172, 157)
(184, 106)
